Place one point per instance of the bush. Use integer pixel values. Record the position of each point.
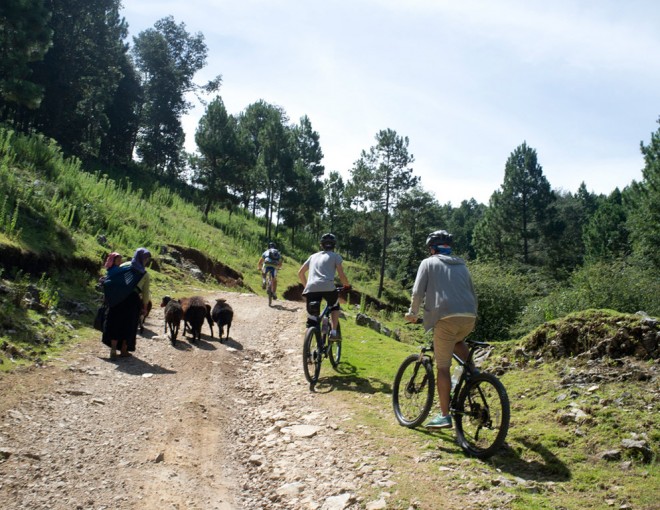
(622, 285)
(502, 294)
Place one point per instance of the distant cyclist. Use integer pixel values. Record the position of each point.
(322, 267)
(270, 262)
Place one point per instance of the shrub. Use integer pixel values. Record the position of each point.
(623, 285)
(502, 294)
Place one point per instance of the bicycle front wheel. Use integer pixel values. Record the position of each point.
(482, 416)
(334, 349)
(312, 355)
(413, 390)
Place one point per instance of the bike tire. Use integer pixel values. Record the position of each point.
(269, 288)
(413, 390)
(334, 349)
(312, 356)
(482, 416)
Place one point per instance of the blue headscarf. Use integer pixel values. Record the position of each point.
(442, 250)
(137, 263)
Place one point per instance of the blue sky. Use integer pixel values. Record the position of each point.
(466, 81)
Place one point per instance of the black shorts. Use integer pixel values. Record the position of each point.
(314, 301)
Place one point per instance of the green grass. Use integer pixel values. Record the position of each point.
(547, 464)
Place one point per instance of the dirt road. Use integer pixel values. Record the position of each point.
(228, 425)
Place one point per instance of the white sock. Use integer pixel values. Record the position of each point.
(333, 332)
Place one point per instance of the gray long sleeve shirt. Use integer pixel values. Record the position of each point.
(444, 286)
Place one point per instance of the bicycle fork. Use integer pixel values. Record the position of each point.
(413, 387)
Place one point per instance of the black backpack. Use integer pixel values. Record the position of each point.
(273, 255)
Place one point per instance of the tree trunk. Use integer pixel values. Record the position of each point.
(385, 225)
(207, 209)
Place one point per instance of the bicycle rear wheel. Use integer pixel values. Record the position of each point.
(482, 416)
(312, 355)
(269, 289)
(413, 390)
(334, 349)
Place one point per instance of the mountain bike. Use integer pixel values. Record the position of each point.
(318, 345)
(479, 403)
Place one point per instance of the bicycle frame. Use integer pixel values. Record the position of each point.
(468, 371)
(319, 324)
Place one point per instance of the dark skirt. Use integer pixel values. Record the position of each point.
(122, 321)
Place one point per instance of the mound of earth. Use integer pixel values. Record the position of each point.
(595, 334)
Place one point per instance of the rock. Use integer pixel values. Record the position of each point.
(77, 392)
(290, 490)
(611, 455)
(337, 502)
(301, 430)
(638, 446)
(380, 504)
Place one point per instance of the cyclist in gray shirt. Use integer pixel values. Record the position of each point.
(322, 267)
(444, 287)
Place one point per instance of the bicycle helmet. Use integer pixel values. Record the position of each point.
(271, 245)
(328, 241)
(439, 238)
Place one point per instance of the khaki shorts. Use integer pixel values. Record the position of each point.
(446, 334)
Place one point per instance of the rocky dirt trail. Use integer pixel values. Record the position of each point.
(228, 425)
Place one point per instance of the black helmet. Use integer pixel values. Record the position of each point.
(272, 245)
(328, 241)
(439, 238)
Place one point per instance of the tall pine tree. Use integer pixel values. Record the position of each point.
(517, 223)
(382, 174)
